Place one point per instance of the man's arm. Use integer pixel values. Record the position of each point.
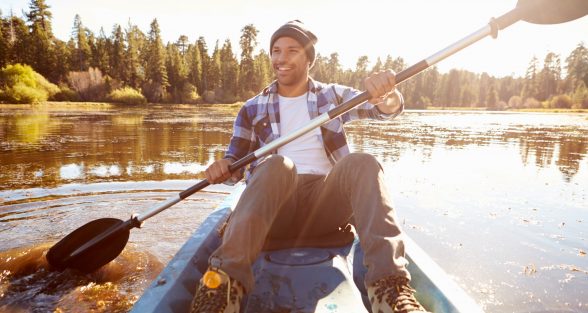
(239, 146)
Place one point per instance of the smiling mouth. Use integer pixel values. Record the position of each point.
(282, 69)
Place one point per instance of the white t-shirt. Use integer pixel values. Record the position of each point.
(307, 152)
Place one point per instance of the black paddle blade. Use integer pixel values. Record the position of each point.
(105, 239)
(552, 11)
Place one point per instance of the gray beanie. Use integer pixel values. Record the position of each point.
(297, 31)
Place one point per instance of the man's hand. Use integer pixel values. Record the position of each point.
(218, 171)
(382, 87)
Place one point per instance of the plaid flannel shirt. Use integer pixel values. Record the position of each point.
(258, 120)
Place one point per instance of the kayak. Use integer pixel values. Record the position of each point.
(325, 279)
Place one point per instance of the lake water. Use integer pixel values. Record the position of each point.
(499, 200)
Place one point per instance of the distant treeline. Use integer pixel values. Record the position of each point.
(92, 67)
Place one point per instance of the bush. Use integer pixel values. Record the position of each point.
(127, 95)
(190, 94)
(209, 96)
(155, 92)
(532, 103)
(90, 85)
(66, 94)
(561, 102)
(515, 102)
(21, 84)
(580, 97)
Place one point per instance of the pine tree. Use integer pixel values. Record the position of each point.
(333, 70)
(117, 55)
(262, 70)
(378, 66)
(82, 55)
(135, 71)
(205, 65)
(531, 86)
(318, 70)
(3, 44)
(549, 77)
(194, 63)
(360, 72)
(182, 44)
(247, 42)
(577, 67)
(177, 72)
(155, 70)
(101, 54)
(214, 74)
(40, 40)
(229, 72)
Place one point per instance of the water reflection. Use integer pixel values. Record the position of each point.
(64, 147)
(563, 139)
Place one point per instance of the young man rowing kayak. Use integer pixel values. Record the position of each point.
(310, 187)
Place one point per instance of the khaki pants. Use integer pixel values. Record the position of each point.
(279, 203)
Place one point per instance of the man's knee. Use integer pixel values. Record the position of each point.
(276, 166)
(363, 161)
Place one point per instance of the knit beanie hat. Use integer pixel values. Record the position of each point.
(297, 31)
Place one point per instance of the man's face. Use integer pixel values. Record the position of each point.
(289, 61)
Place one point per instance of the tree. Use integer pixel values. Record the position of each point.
(577, 67)
(333, 70)
(262, 70)
(214, 69)
(40, 16)
(100, 54)
(40, 40)
(156, 73)
(549, 77)
(177, 72)
(82, 55)
(117, 55)
(378, 66)
(531, 86)
(360, 72)
(205, 64)
(492, 98)
(247, 42)
(3, 44)
(229, 72)
(135, 71)
(182, 44)
(452, 85)
(194, 62)
(318, 70)
(17, 41)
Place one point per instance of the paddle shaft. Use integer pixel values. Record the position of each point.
(490, 29)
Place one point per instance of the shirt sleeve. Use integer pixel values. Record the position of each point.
(242, 138)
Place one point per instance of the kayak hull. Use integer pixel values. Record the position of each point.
(296, 279)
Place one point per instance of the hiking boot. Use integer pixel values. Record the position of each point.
(393, 295)
(217, 293)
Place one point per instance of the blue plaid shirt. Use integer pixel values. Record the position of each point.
(258, 120)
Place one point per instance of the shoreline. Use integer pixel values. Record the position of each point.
(108, 105)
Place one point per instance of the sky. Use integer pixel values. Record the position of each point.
(411, 29)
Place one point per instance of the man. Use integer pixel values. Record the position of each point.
(312, 185)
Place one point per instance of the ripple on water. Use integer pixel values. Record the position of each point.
(28, 284)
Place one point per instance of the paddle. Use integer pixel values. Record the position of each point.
(101, 241)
